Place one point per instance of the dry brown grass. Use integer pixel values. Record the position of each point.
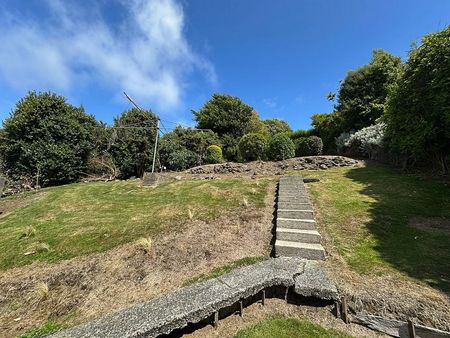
(105, 282)
(145, 244)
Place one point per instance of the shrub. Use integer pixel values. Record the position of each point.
(214, 154)
(342, 141)
(181, 159)
(368, 140)
(132, 149)
(308, 146)
(281, 147)
(46, 139)
(252, 147)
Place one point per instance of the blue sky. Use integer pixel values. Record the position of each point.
(281, 57)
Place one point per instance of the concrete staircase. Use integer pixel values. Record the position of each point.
(296, 232)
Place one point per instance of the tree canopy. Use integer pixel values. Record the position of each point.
(46, 139)
(362, 94)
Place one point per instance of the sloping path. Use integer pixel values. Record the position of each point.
(296, 231)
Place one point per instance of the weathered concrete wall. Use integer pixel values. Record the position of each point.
(200, 301)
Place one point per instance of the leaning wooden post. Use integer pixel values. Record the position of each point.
(216, 319)
(241, 308)
(411, 329)
(263, 299)
(345, 317)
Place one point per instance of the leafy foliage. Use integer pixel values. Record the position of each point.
(308, 146)
(253, 146)
(418, 109)
(132, 148)
(363, 92)
(230, 118)
(275, 126)
(327, 127)
(225, 115)
(281, 147)
(368, 140)
(46, 139)
(214, 154)
(300, 133)
(181, 140)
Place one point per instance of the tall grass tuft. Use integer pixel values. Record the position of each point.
(41, 290)
(145, 243)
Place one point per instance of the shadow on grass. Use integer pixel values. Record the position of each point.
(422, 251)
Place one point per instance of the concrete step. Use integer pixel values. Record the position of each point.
(294, 205)
(298, 235)
(295, 249)
(305, 213)
(302, 224)
(298, 199)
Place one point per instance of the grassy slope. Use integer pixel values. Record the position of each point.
(282, 327)
(82, 218)
(367, 210)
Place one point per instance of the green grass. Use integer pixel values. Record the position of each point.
(83, 218)
(42, 331)
(221, 270)
(282, 327)
(367, 213)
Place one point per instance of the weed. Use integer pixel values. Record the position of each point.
(28, 232)
(145, 243)
(41, 290)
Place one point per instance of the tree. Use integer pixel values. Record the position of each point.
(253, 146)
(46, 139)
(228, 117)
(225, 115)
(363, 92)
(275, 126)
(281, 147)
(132, 149)
(418, 108)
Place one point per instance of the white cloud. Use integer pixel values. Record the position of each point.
(145, 54)
(271, 103)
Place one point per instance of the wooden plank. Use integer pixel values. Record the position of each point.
(411, 329)
(397, 328)
(344, 309)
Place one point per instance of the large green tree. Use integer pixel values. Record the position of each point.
(133, 140)
(418, 109)
(46, 140)
(327, 127)
(362, 94)
(225, 115)
(230, 118)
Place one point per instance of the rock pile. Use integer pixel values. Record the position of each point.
(260, 167)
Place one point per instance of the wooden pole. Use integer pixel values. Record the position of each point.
(411, 329)
(263, 299)
(156, 145)
(345, 317)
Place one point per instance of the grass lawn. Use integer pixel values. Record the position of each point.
(383, 221)
(282, 327)
(77, 219)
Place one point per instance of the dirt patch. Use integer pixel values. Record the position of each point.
(256, 313)
(437, 225)
(7, 206)
(87, 287)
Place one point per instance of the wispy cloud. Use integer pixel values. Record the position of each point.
(145, 54)
(270, 102)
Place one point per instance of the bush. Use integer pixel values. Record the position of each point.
(214, 154)
(368, 140)
(252, 146)
(132, 149)
(308, 146)
(182, 159)
(46, 139)
(281, 147)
